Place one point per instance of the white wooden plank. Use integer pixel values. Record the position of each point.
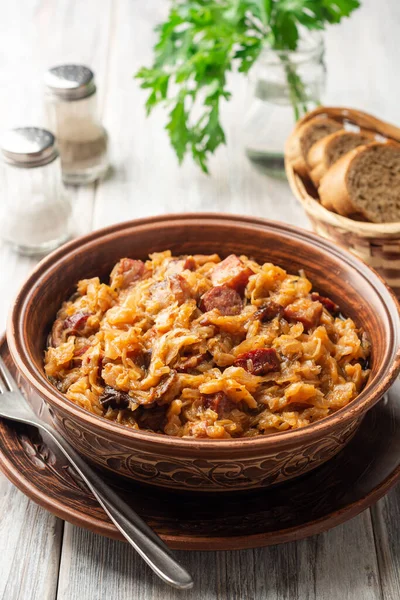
(338, 565)
(386, 522)
(30, 547)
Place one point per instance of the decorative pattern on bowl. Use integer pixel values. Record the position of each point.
(200, 473)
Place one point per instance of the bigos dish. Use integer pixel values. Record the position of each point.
(195, 346)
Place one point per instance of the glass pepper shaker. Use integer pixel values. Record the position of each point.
(72, 116)
(34, 208)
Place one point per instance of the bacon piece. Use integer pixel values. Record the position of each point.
(231, 272)
(218, 402)
(269, 311)
(226, 300)
(190, 362)
(259, 362)
(305, 311)
(72, 325)
(76, 322)
(81, 351)
(329, 304)
(115, 399)
(126, 272)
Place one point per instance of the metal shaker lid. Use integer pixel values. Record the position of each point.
(70, 82)
(28, 147)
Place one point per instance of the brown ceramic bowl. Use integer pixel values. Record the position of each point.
(206, 465)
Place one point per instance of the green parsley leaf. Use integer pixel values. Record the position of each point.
(202, 40)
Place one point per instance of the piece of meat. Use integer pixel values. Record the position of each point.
(151, 417)
(100, 367)
(178, 265)
(79, 359)
(305, 311)
(259, 362)
(218, 402)
(115, 399)
(231, 272)
(190, 362)
(167, 388)
(76, 322)
(329, 304)
(179, 287)
(189, 263)
(269, 311)
(72, 325)
(143, 359)
(126, 272)
(57, 334)
(222, 297)
(81, 351)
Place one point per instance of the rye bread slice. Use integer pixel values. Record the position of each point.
(306, 136)
(324, 153)
(365, 181)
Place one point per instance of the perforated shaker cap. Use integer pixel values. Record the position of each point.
(70, 82)
(28, 147)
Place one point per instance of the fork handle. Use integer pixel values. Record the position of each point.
(144, 540)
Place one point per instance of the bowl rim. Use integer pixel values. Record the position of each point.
(354, 410)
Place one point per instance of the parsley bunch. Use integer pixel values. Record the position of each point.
(202, 40)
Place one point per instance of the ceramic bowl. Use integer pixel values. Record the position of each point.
(206, 465)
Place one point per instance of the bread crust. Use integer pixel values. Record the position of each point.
(317, 157)
(333, 190)
(294, 153)
(294, 150)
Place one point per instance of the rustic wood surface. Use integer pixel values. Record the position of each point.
(43, 558)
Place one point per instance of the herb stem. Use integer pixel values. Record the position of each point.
(297, 90)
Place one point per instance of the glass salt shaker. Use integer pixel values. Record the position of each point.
(34, 207)
(72, 116)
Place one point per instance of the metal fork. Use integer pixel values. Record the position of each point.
(144, 540)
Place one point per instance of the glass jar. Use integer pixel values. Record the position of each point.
(34, 208)
(284, 85)
(72, 115)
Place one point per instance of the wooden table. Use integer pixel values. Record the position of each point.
(43, 558)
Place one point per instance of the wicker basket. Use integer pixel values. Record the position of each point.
(377, 244)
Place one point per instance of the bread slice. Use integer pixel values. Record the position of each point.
(301, 141)
(324, 153)
(366, 182)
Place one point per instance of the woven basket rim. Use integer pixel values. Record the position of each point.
(312, 205)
